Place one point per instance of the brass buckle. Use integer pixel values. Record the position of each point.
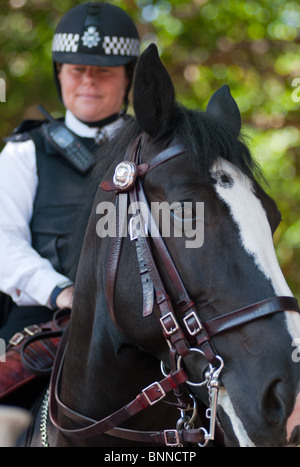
(16, 338)
(171, 438)
(19, 336)
(159, 388)
(198, 328)
(32, 330)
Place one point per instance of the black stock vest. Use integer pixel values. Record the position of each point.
(59, 200)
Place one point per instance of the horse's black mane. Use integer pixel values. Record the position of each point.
(205, 140)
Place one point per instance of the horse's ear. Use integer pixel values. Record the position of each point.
(223, 107)
(153, 94)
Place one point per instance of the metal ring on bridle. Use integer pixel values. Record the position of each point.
(205, 437)
(162, 369)
(218, 370)
(185, 420)
(193, 349)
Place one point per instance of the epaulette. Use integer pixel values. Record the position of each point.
(22, 132)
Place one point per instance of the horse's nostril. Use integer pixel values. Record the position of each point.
(275, 402)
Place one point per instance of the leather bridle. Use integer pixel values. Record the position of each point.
(182, 339)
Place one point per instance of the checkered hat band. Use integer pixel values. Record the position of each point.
(65, 42)
(112, 45)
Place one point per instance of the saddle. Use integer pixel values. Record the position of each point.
(30, 354)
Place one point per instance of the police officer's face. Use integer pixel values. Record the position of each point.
(92, 93)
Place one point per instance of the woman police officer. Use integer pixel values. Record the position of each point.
(95, 49)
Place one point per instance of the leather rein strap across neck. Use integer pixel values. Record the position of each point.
(127, 180)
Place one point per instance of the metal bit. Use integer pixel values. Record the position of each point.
(211, 412)
(213, 385)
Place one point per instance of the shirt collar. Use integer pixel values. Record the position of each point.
(81, 129)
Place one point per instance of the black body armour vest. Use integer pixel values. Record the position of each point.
(59, 200)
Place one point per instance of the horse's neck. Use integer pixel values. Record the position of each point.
(102, 370)
(111, 381)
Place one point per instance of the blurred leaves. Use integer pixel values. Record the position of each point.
(252, 46)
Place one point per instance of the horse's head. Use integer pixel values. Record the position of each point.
(219, 235)
(220, 297)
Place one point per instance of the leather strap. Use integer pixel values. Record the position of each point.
(147, 285)
(121, 204)
(168, 321)
(143, 169)
(165, 437)
(155, 392)
(250, 313)
(171, 328)
(147, 397)
(45, 333)
(167, 154)
(45, 341)
(114, 255)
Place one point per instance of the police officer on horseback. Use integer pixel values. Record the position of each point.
(45, 165)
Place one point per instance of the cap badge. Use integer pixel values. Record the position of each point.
(91, 37)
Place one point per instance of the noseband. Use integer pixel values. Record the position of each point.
(185, 333)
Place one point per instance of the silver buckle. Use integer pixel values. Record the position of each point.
(174, 324)
(133, 234)
(191, 331)
(174, 438)
(159, 388)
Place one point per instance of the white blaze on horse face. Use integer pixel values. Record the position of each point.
(251, 220)
(255, 232)
(239, 430)
(256, 238)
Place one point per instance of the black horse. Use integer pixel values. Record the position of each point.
(242, 364)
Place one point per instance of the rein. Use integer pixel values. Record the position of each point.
(193, 336)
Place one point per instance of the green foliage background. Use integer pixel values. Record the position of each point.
(253, 46)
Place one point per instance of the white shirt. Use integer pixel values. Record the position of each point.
(24, 275)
